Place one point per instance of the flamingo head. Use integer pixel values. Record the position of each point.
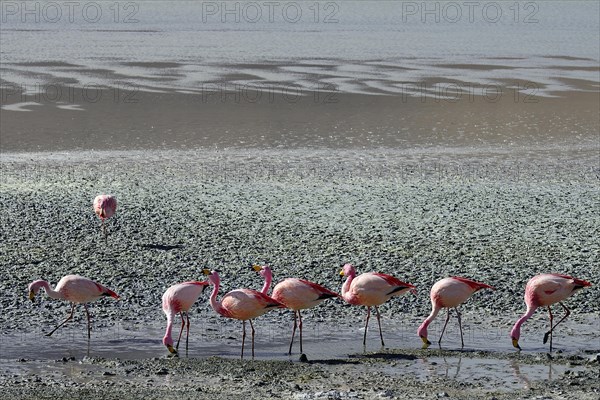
(348, 270)
(213, 276)
(515, 343)
(264, 270)
(422, 332)
(167, 341)
(515, 334)
(34, 288)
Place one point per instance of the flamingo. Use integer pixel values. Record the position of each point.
(449, 293)
(105, 206)
(296, 294)
(545, 290)
(73, 288)
(179, 298)
(241, 304)
(371, 289)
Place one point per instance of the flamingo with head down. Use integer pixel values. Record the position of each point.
(241, 304)
(179, 298)
(543, 291)
(371, 289)
(73, 288)
(296, 294)
(449, 293)
(105, 206)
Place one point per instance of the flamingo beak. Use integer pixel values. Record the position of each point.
(342, 273)
(256, 268)
(206, 271)
(171, 349)
(31, 295)
(515, 343)
(426, 343)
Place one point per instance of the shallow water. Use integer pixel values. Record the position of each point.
(322, 341)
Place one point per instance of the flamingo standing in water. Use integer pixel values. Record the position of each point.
(543, 291)
(449, 293)
(371, 289)
(296, 294)
(179, 298)
(105, 206)
(241, 304)
(73, 288)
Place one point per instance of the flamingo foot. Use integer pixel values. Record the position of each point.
(546, 336)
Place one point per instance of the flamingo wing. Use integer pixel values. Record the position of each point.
(322, 292)
(473, 284)
(578, 282)
(393, 281)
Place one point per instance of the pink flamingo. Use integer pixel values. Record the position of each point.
(105, 206)
(296, 294)
(371, 289)
(543, 291)
(179, 298)
(449, 293)
(73, 288)
(241, 304)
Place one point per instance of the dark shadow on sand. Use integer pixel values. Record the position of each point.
(165, 247)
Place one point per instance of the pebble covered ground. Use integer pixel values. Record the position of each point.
(497, 217)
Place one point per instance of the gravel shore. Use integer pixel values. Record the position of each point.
(497, 216)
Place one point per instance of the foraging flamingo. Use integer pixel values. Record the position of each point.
(545, 290)
(371, 289)
(449, 293)
(105, 206)
(179, 298)
(296, 294)
(241, 304)
(73, 288)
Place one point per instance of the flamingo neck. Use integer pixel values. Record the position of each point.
(268, 279)
(214, 303)
(515, 332)
(347, 283)
(168, 339)
(422, 331)
(35, 287)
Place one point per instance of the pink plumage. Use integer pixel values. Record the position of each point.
(242, 304)
(296, 294)
(105, 206)
(449, 293)
(75, 289)
(371, 290)
(178, 299)
(543, 291)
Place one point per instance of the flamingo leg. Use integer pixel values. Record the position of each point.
(551, 327)
(89, 325)
(181, 330)
(300, 326)
(444, 328)
(379, 323)
(65, 321)
(366, 326)
(187, 336)
(252, 326)
(104, 232)
(549, 333)
(462, 342)
(293, 334)
(243, 336)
